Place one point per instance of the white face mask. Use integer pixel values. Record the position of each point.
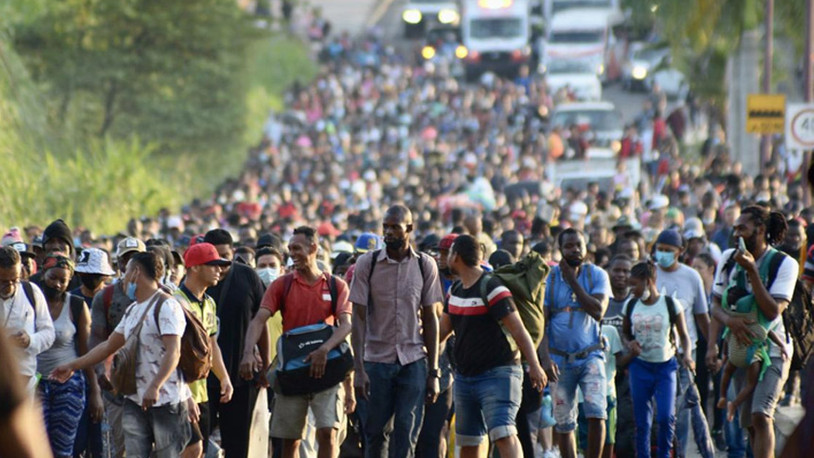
(645, 295)
(268, 275)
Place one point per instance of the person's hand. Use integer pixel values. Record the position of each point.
(62, 373)
(538, 377)
(248, 366)
(738, 326)
(569, 274)
(551, 370)
(361, 384)
(193, 410)
(318, 359)
(634, 347)
(711, 359)
(150, 397)
(21, 339)
(745, 260)
(226, 390)
(433, 389)
(689, 363)
(96, 407)
(350, 402)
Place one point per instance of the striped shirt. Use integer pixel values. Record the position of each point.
(480, 343)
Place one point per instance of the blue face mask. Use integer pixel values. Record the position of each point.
(131, 291)
(665, 259)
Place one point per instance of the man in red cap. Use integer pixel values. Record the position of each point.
(204, 267)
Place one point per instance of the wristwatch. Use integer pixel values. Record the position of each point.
(434, 373)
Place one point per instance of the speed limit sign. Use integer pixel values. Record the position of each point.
(800, 126)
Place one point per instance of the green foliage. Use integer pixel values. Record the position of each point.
(703, 33)
(110, 110)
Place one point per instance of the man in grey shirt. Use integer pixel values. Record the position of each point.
(395, 292)
(683, 283)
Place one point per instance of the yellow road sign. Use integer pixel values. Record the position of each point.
(765, 113)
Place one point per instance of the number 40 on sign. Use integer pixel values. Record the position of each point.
(800, 126)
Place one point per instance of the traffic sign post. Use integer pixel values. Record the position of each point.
(800, 126)
(765, 113)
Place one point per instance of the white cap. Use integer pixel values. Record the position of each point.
(659, 201)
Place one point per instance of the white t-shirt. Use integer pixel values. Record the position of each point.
(782, 288)
(651, 328)
(151, 348)
(685, 285)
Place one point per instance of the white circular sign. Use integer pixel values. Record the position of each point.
(802, 127)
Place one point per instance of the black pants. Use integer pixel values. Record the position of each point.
(625, 445)
(234, 418)
(435, 415)
(532, 400)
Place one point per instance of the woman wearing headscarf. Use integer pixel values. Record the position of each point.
(63, 403)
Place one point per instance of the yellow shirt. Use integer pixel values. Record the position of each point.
(206, 312)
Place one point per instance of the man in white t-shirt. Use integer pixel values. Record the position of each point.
(759, 228)
(157, 415)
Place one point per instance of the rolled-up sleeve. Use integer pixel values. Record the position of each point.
(360, 287)
(431, 293)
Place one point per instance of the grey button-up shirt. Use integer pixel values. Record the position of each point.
(396, 292)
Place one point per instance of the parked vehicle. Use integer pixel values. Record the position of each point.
(576, 76)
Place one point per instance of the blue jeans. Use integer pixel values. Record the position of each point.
(737, 443)
(589, 376)
(646, 381)
(166, 426)
(689, 410)
(396, 394)
(487, 403)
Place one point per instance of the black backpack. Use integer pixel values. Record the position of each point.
(798, 318)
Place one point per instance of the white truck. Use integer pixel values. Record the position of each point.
(496, 34)
(584, 34)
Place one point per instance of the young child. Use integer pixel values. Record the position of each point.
(754, 357)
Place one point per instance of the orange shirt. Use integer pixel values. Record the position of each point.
(306, 304)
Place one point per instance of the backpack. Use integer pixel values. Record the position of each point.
(29, 294)
(292, 375)
(370, 275)
(797, 317)
(107, 300)
(196, 353)
(526, 279)
(671, 312)
(123, 371)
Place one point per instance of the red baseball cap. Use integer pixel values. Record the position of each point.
(447, 241)
(204, 253)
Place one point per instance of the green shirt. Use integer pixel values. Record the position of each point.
(206, 312)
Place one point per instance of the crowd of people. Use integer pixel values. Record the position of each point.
(316, 230)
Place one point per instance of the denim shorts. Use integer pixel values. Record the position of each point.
(589, 376)
(167, 427)
(487, 402)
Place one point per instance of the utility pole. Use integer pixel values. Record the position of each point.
(768, 57)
